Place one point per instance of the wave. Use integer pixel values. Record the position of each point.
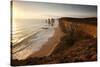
(33, 43)
(25, 38)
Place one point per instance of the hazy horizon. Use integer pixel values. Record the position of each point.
(40, 10)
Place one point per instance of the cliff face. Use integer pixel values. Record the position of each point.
(87, 25)
(79, 44)
(76, 30)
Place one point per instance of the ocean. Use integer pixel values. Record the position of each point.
(29, 35)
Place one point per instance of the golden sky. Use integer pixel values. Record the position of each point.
(29, 10)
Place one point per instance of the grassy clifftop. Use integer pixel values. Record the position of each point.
(90, 20)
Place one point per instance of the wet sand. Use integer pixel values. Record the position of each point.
(49, 46)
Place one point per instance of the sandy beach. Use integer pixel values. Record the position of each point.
(49, 46)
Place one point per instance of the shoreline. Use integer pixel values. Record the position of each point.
(65, 48)
(50, 45)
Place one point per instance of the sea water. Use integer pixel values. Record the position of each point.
(28, 36)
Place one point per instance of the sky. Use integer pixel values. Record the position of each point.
(29, 10)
